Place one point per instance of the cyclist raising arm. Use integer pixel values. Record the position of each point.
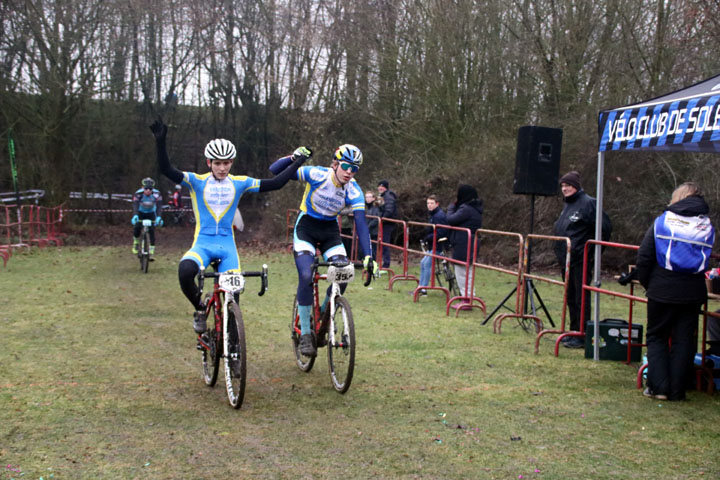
(215, 196)
(328, 190)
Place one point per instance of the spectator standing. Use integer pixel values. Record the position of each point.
(389, 210)
(436, 216)
(577, 222)
(671, 262)
(373, 208)
(466, 212)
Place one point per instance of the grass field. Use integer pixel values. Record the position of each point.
(99, 378)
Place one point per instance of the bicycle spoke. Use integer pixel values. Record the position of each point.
(235, 356)
(210, 356)
(341, 346)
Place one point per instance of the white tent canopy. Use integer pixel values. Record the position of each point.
(687, 120)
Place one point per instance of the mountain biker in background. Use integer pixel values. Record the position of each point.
(328, 190)
(215, 196)
(147, 204)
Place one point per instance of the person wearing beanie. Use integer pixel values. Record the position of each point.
(465, 212)
(577, 222)
(389, 210)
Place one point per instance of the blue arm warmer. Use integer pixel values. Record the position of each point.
(362, 231)
(280, 164)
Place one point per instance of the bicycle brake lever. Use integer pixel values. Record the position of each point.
(263, 280)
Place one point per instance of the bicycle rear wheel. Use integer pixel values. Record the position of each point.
(235, 355)
(438, 273)
(210, 356)
(341, 346)
(303, 362)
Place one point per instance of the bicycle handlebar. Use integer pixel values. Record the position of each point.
(202, 274)
(357, 265)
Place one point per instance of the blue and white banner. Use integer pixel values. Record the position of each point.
(686, 120)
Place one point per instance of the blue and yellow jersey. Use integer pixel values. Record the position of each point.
(214, 202)
(324, 197)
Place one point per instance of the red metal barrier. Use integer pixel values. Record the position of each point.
(433, 248)
(519, 289)
(530, 276)
(35, 225)
(589, 288)
(381, 243)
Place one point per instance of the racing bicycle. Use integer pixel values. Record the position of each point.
(225, 334)
(444, 270)
(144, 250)
(335, 328)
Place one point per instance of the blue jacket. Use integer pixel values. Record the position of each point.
(467, 215)
(436, 217)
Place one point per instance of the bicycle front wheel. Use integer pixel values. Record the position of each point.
(235, 355)
(303, 362)
(210, 354)
(145, 252)
(341, 346)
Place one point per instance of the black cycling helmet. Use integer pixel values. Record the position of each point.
(148, 182)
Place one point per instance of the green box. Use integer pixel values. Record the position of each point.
(614, 340)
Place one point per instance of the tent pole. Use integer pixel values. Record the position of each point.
(598, 254)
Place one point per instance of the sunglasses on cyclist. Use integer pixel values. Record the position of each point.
(349, 167)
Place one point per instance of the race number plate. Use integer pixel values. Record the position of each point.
(344, 274)
(147, 223)
(232, 282)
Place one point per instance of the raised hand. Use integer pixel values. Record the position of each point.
(159, 129)
(302, 154)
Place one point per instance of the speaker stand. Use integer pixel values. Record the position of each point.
(531, 291)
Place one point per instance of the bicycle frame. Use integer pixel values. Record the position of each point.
(221, 323)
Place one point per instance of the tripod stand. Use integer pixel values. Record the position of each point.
(531, 292)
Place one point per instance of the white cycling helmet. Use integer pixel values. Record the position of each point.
(220, 149)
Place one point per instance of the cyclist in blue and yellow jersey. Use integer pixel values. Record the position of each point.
(147, 204)
(215, 196)
(328, 190)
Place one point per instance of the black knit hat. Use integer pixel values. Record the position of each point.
(465, 194)
(384, 183)
(572, 178)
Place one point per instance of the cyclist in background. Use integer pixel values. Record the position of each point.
(327, 192)
(215, 196)
(147, 203)
(176, 199)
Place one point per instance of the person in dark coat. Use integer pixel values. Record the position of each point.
(671, 262)
(577, 222)
(389, 210)
(465, 212)
(436, 216)
(373, 208)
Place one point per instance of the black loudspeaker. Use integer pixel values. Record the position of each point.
(537, 164)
